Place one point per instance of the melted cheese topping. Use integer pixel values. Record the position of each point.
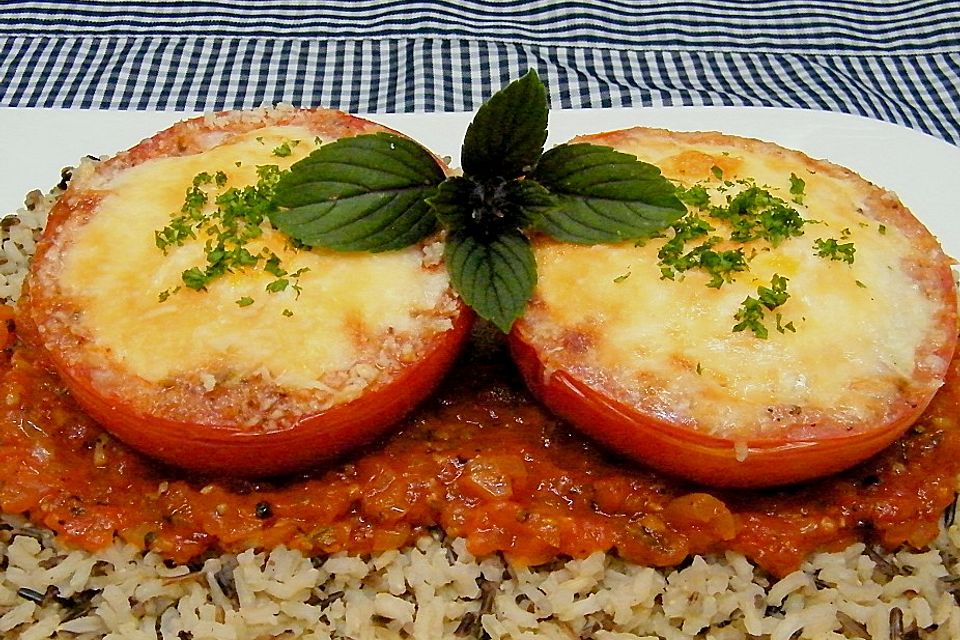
(346, 306)
(668, 347)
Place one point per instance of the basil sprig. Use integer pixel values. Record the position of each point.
(381, 192)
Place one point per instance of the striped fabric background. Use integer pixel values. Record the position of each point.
(895, 60)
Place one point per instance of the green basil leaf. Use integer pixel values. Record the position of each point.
(455, 203)
(365, 193)
(507, 134)
(486, 209)
(495, 278)
(604, 195)
(534, 201)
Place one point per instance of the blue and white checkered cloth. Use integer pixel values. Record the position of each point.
(894, 60)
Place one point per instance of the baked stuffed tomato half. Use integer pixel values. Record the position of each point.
(193, 330)
(794, 322)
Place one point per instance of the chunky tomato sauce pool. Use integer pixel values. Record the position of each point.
(481, 461)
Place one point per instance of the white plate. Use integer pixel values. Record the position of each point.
(921, 169)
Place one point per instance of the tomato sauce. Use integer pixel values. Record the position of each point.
(481, 461)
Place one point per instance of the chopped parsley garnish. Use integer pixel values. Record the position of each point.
(797, 185)
(285, 149)
(719, 265)
(713, 239)
(783, 328)
(835, 249)
(195, 278)
(229, 219)
(278, 285)
(776, 294)
(674, 256)
(750, 316)
(191, 214)
(272, 266)
(755, 213)
(696, 196)
(752, 310)
(752, 214)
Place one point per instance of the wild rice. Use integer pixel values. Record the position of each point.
(437, 589)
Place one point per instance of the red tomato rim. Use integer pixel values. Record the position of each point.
(694, 456)
(312, 439)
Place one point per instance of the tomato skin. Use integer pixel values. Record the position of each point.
(684, 452)
(314, 438)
